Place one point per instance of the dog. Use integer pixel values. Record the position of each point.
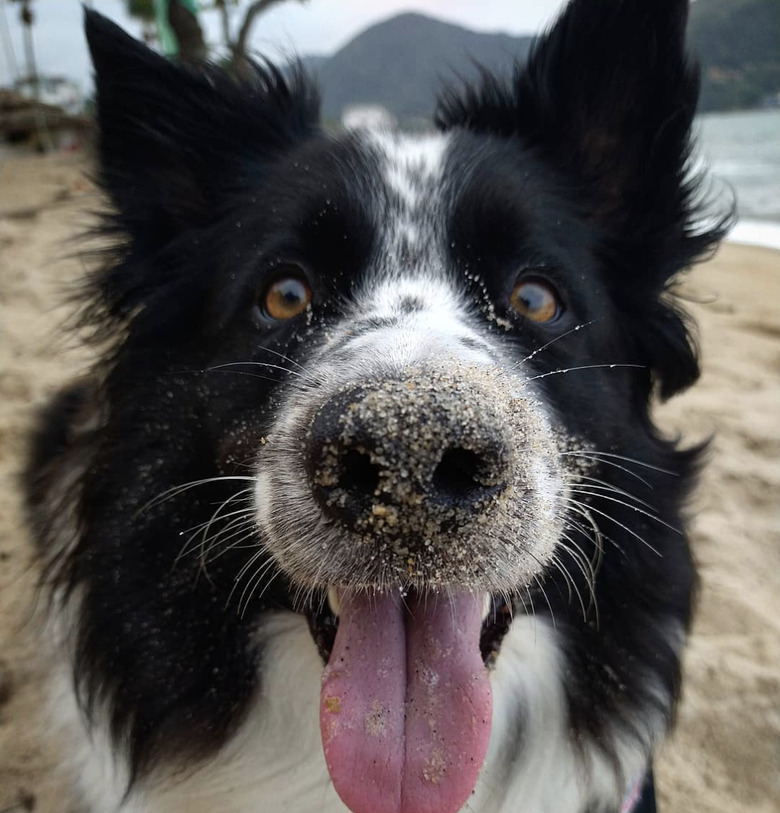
(362, 506)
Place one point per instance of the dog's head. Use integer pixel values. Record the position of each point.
(427, 356)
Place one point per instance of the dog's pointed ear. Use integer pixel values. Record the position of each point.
(173, 139)
(607, 98)
(608, 94)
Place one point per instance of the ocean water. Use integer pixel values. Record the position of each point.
(742, 154)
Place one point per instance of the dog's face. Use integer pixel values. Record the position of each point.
(412, 374)
(411, 445)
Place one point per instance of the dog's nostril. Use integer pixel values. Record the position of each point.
(357, 474)
(457, 477)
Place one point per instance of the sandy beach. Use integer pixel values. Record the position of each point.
(725, 754)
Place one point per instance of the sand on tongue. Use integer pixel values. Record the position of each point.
(405, 709)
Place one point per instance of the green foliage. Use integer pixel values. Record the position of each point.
(141, 9)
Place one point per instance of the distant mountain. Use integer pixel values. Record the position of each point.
(313, 64)
(402, 62)
(738, 43)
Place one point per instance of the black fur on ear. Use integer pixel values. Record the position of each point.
(174, 143)
(666, 344)
(607, 98)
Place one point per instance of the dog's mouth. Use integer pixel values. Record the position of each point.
(322, 613)
(406, 707)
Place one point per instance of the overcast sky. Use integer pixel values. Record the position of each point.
(318, 27)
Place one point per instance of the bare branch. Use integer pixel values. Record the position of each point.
(224, 13)
(252, 13)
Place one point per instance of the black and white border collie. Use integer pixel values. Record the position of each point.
(361, 507)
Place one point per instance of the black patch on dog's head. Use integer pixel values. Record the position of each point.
(178, 146)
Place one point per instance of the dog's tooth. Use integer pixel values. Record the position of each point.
(487, 604)
(333, 601)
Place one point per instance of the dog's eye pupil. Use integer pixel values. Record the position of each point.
(536, 301)
(286, 297)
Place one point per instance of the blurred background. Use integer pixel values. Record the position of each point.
(379, 62)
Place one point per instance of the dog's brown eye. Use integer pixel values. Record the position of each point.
(536, 301)
(287, 296)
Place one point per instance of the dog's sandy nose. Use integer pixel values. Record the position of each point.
(404, 457)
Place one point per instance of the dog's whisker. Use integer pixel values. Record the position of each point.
(597, 483)
(195, 528)
(595, 487)
(593, 534)
(201, 530)
(533, 612)
(179, 489)
(555, 561)
(577, 559)
(282, 356)
(204, 534)
(204, 526)
(589, 570)
(577, 506)
(536, 352)
(600, 495)
(249, 564)
(245, 528)
(571, 586)
(597, 454)
(546, 598)
(191, 548)
(598, 461)
(583, 367)
(584, 564)
(246, 542)
(259, 597)
(247, 374)
(296, 373)
(256, 576)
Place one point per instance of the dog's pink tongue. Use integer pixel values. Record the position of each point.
(406, 706)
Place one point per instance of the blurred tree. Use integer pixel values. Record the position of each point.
(174, 23)
(182, 17)
(27, 19)
(144, 11)
(238, 44)
(163, 18)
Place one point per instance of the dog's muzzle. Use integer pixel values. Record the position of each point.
(437, 476)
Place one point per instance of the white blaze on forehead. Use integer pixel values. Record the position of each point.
(410, 161)
(411, 167)
(416, 291)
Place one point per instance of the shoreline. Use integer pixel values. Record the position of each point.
(760, 233)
